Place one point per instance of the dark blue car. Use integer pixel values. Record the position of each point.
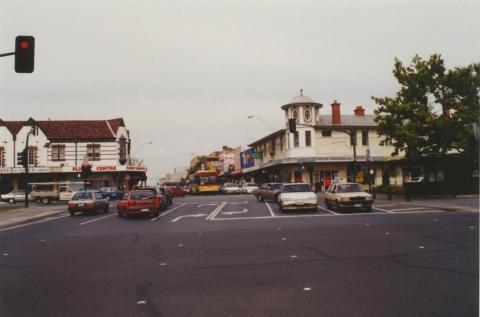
(111, 192)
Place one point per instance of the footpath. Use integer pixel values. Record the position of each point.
(469, 203)
(17, 215)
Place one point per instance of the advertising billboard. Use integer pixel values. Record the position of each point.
(246, 159)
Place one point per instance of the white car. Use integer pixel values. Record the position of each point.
(231, 188)
(297, 196)
(250, 188)
(16, 195)
(348, 195)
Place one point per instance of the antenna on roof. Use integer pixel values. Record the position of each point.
(301, 92)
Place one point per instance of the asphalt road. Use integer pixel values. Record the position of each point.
(234, 256)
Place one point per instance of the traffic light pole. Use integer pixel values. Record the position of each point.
(26, 171)
(7, 54)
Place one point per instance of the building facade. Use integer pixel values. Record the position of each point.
(322, 148)
(57, 150)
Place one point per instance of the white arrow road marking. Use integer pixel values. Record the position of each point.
(188, 216)
(201, 205)
(244, 211)
(215, 212)
(167, 212)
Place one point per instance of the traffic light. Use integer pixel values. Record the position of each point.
(292, 125)
(24, 54)
(22, 158)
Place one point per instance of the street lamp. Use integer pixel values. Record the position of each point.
(264, 122)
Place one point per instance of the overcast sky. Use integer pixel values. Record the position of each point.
(186, 74)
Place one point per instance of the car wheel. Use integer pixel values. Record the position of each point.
(276, 197)
(315, 209)
(72, 213)
(45, 201)
(280, 207)
(329, 206)
(156, 214)
(118, 213)
(11, 201)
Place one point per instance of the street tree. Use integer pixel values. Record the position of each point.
(434, 110)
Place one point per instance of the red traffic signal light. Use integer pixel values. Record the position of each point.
(24, 54)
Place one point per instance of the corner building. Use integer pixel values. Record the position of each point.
(319, 152)
(56, 153)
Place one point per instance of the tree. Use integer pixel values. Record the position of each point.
(198, 165)
(434, 109)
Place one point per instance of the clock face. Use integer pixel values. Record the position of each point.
(307, 114)
(295, 114)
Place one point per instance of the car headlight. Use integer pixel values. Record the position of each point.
(369, 198)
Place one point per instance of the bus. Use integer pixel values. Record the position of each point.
(205, 182)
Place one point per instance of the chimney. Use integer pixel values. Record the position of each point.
(335, 112)
(359, 111)
(446, 111)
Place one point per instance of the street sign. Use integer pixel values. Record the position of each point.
(257, 155)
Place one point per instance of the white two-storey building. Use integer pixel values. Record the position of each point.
(57, 151)
(321, 150)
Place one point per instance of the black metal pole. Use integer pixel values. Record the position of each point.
(369, 178)
(26, 172)
(353, 137)
(7, 54)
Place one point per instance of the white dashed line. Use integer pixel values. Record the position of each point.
(96, 219)
(270, 209)
(32, 223)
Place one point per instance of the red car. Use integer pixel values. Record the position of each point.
(139, 202)
(176, 191)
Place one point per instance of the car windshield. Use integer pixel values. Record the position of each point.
(82, 195)
(139, 195)
(296, 188)
(349, 188)
(276, 186)
(231, 185)
(251, 185)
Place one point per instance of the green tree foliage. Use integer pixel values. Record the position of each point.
(413, 120)
(198, 165)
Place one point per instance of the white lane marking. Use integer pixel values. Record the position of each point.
(270, 209)
(216, 211)
(188, 216)
(168, 211)
(32, 223)
(329, 215)
(307, 289)
(384, 205)
(238, 203)
(408, 209)
(141, 302)
(201, 205)
(332, 212)
(180, 245)
(244, 211)
(384, 210)
(163, 264)
(5, 254)
(293, 256)
(421, 247)
(84, 223)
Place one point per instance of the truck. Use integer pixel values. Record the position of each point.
(54, 191)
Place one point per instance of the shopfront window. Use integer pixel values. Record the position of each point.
(32, 156)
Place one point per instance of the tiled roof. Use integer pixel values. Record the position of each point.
(72, 130)
(116, 123)
(14, 126)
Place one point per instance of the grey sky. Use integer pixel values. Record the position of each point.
(186, 74)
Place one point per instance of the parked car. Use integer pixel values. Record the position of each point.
(187, 189)
(111, 192)
(249, 188)
(176, 191)
(268, 191)
(297, 196)
(139, 202)
(348, 195)
(230, 188)
(14, 196)
(87, 201)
